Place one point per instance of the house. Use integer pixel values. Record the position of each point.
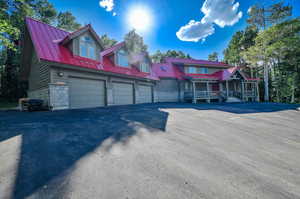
(196, 80)
(73, 70)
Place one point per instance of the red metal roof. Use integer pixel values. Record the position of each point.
(196, 61)
(46, 41)
(167, 70)
(112, 49)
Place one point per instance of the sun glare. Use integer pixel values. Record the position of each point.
(139, 18)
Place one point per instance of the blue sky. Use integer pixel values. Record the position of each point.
(168, 17)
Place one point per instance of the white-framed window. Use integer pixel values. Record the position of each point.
(87, 47)
(192, 69)
(122, 58)
(144, 67)
(203, 70)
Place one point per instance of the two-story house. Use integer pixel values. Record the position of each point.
(196, 80)
(72, 70)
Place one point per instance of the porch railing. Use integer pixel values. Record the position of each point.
(217, 94)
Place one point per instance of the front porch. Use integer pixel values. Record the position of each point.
(221, 91)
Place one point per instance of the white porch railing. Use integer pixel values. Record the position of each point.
(202, 94)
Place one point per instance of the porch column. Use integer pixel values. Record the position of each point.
(257, 91)
(208, 93)
(194, 93)
(227, 91)
(242, 88)
(220, 91)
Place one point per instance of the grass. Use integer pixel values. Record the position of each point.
(5, 104)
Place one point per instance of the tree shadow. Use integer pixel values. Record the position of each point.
(52, 142)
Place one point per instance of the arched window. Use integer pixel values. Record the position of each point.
(87, 47)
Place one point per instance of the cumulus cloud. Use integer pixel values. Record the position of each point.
(195, 31)
(220, 12)
(108, 5)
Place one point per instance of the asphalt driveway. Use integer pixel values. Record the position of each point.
(169, 150)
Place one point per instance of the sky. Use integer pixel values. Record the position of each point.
(196, 27)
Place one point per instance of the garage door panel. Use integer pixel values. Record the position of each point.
(145, 94)
(122, 93)
(86, 93)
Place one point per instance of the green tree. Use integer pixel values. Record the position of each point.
(134, 43)
(278, 47)
(213, 56)
(66, 21)
(262, 17)
(107, 42)
(158, 56)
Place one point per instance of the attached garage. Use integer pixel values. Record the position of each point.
(122, 93)
(145, 94)
(86, 93)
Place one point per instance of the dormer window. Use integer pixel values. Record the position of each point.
(87, 47)
(144, 67)
(192, 70)
(122, 58)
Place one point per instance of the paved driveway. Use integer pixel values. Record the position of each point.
(152, 151)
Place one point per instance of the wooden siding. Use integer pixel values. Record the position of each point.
(39, 76)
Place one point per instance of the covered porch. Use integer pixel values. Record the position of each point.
(221, 91)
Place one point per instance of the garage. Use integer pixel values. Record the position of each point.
(122, 93)
(86, 93)
(145, 94)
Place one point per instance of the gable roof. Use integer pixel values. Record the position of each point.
(79, 32)
(46, 41)
(112, 49)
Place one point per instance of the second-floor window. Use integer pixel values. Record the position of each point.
(192, 70)
(87, 47)
(203, 70)
(122, 58)
(144, 67)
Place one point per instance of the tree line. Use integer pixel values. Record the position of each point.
(269, 48)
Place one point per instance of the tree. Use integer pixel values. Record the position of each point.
(158, 56)
(66, 21)
(262, 17)
(12, 17)
(134, 43)
(278, 47)
(213, 56)
(107, 42)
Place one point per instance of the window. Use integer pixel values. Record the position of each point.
(87, 47)
(192, 69)
(144, 67)
(203, 70)
(122, 59)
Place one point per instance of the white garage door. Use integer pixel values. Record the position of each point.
(145, 94)
(122, 93)
(86, 93)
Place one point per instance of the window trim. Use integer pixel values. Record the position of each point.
(146, 66)
(125, 54)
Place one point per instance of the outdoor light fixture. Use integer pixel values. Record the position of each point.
(60, 74)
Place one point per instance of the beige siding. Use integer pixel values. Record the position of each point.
(39, 76)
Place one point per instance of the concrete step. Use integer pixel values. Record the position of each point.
(233, 99)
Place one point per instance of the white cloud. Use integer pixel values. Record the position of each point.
(107, 4)
(195, 31)
(220, 12)
(114, 13)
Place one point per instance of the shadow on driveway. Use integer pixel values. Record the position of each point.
(52, 142)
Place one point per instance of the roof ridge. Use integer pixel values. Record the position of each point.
(30, 18)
